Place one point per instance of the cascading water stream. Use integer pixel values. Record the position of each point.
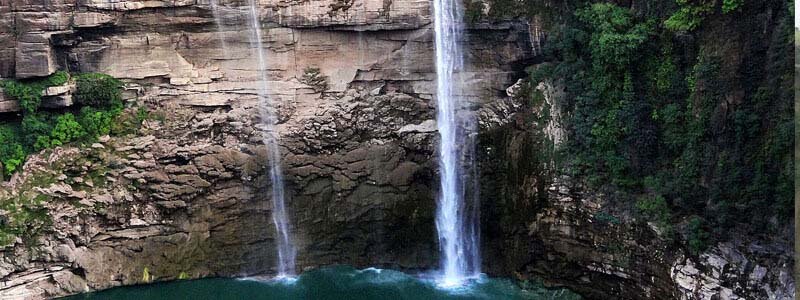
(360, 17)
(269, 119)
(456, 221)
(220, 27)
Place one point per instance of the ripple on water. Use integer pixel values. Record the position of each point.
(331, 283)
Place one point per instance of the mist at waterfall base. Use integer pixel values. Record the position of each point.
(334, 283)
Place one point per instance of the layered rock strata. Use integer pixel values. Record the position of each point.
(188, 193)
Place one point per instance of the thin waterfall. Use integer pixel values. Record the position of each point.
(269, 119)
(361, 18)
(405, 54)
(456, 219)
(220, 27)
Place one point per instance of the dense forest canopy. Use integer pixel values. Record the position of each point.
(681, 111)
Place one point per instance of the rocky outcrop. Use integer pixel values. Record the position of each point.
(37, 32)
(570, 241)
(7, 103)
(737, 270)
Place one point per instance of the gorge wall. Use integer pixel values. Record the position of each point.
(188, 193)
(537, 224)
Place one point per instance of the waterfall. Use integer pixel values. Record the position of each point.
(220, 27)
(456, 220)
(359, 19)
(286, 250)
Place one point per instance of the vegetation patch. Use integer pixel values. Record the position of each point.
(29, 92)
(671, 125)
(606, 218)
(98, 90)
(23, 214)
(99, 97)
(691, 13)
(99, 111)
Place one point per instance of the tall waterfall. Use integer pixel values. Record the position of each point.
(456, 217)
(286, 250)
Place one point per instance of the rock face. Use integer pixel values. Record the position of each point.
(538, 224)
(189, 192)
(737, 271)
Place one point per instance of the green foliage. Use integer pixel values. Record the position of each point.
(697, 130)
(698, 237)
(96, 122)
(691, 13)
(536, 75)
(25, 217)
(66, 129)
(658, 211)
(129, 121)
(29, 98)
(36, 129)
(729, 6)
(98, 90)
(100, 94)
(142, 114)
(665, 73)
(614, 37)
(600, 55)
(11, 152)
(29, 92)
(606, 218)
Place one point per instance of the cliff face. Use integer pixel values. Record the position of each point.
(189, 192)
(554, 228)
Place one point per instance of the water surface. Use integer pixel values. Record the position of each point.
(334, 283)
